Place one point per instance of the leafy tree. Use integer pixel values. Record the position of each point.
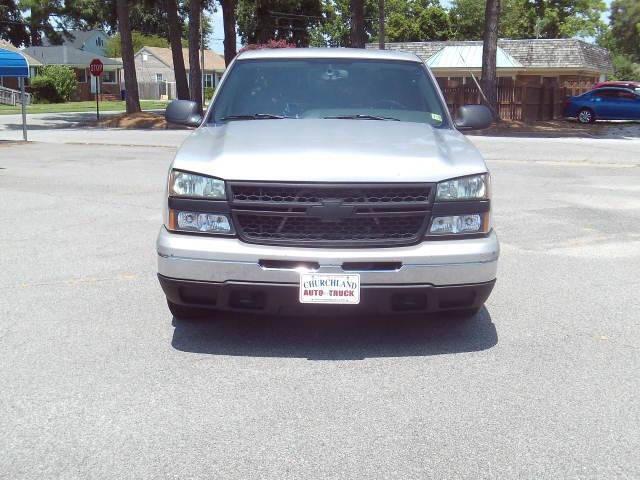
(12, 27)
(290, 20)
(416, 20)
(334, 27)
(467, 19)
(624, 68)
(139, 40)
(625, 27)
(529, 18)
(622, 38)
(45, 19)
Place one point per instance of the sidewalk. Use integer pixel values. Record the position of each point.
(68, 128)
(563, 129)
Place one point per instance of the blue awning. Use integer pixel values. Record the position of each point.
(12, 64)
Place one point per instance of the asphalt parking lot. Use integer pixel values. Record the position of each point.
(98, 381)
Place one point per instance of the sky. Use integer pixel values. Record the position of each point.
(215, 40)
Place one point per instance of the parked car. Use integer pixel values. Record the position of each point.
(610, 103)
(324, 179)
(619, 84)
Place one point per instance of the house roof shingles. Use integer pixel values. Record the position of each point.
(75, 38)
(212, 60)
(554, 53)
(33, 62)
(65, 55)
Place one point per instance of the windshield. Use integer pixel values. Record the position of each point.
(329, 88)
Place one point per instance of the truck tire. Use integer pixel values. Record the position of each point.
(183, 312)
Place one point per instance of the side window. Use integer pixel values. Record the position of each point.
(606, 94)
(81, 75)
(627, 96)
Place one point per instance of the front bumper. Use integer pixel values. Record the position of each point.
(283, 298)
(437, 262)
(193, 268)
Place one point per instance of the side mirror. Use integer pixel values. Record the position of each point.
(183, 112)
(473, 117)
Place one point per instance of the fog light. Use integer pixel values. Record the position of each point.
(203, 222)
(456, 224)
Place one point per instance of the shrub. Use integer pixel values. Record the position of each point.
(44, 90)
(269, 44)
(64, 80)
(208, 93)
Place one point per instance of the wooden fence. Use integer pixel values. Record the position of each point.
(162, 90)
(525, 103)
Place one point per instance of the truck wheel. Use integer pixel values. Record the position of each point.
(586, 116)
(183, 312)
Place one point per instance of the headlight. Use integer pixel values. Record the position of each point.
(183, 184)
(199, 222)
(475, 187)
(454, 224)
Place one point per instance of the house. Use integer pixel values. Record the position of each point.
(154, 69)
(12, 82)
(91, 41)
(562, 62)
(79, 61)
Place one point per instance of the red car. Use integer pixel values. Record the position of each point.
(620, 84)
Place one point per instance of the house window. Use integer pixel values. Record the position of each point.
(81, 75)
(159, 77)
(208, 80)
(109, 76)
(99, 42)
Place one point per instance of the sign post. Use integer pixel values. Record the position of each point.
(96, 67)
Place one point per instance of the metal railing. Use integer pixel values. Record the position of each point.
(12, 97)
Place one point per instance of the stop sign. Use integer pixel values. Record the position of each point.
(96, 67)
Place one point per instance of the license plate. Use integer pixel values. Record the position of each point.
(329, 288)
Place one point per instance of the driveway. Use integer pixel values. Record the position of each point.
(98, 381)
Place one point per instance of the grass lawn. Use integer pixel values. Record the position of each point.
(80, 107)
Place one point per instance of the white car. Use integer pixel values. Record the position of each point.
(323, 181)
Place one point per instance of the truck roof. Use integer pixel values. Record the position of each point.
(342, 53)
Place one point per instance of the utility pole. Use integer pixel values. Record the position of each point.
(381, 26)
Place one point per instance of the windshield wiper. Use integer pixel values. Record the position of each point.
(361, 117)
(254, 116)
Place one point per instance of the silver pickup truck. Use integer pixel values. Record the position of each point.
(324, 181)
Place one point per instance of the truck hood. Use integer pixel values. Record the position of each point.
(329, 151)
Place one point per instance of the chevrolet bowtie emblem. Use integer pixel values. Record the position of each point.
(331, 211)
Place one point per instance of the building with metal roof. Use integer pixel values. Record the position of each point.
(14, 65)
(560, 61)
